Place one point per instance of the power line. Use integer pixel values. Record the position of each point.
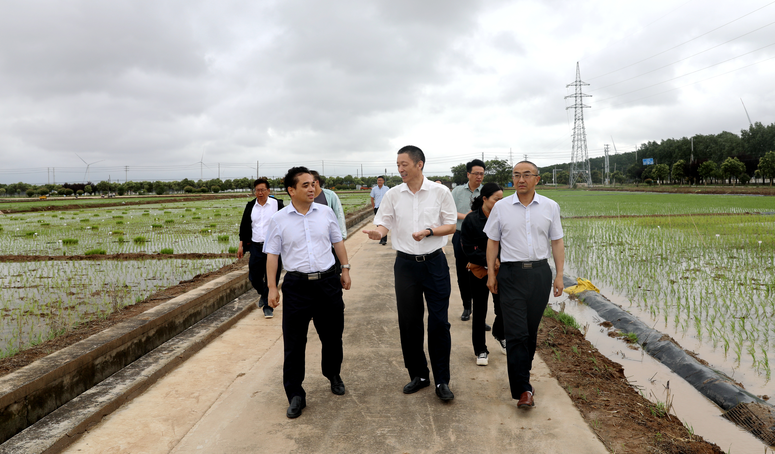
(686, 58)
(689, 73)
(681, 44)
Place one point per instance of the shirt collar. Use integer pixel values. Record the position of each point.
(292, 208)
(536, 199)
(425, 182)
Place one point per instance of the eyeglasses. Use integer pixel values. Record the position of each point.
(262, 190)
(519, 176)
(477, 174)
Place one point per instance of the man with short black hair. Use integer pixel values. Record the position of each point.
(252, 233)
(526, 227)
(377, 193)
(304, 233)
(464, 195)
(420, 214)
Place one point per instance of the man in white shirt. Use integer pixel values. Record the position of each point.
(377, 194)
(252, 233)
(526, 226)
(303, 233)
(420, 214)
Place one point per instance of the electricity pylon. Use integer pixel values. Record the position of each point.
(579, 168)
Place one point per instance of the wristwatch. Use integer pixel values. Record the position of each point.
(430, 230)
(346, 266)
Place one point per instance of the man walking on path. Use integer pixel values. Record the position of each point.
(328, 197)
(376, 198)
(303, 234)
(464, 195)
(252, 232)
(420, 214)
(526, 226)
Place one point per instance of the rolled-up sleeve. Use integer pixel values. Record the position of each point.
(386, 214)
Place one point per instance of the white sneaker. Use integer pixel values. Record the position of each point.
(481, 360)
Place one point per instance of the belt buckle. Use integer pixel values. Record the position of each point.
(527, 265)
(313, 276)
(419, 258)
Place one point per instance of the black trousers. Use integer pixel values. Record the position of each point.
(481, 294)
(430, 279)
(384, 238)
(321, 302)
(524, 296)
(461, 260)
(257, 270)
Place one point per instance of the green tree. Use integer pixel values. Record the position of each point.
(159, 187)
(767, 165)
(121, 189)
(678, 171)
(661, 172)
(706, 171)
(215, 188)
(617, 176)
(563, 177)
(459, 174)
(732, 168)
(30, 192)
(546, 178)
(744, 178)
(2, 192)
(87, 189)
(496, 171)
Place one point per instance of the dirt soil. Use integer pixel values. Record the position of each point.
(115, 202)
(747, 189)
(623, 420)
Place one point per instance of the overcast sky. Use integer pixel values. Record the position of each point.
(148, 89)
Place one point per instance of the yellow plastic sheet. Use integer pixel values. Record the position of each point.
(583, 284)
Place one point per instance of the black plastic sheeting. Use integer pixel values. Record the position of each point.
(712, 384)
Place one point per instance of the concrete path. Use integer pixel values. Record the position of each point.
(228, 398)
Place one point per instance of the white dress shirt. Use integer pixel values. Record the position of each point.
(303, 240)
(525, 232)
(404, 213)
(259, 218)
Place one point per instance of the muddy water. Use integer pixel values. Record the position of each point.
(654, 380)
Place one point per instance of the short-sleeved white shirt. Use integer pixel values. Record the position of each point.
(403, 213)
(525, 232)
(303, 240)
(377, 194)
(259, 218)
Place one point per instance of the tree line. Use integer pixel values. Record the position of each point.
(714, 158)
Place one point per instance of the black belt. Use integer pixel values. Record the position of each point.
(528, 265)
(314, 276)
(418, 258)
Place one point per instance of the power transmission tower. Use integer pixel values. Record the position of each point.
(579, 170)
(607, 172)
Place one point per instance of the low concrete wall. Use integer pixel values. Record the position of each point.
(34, 391)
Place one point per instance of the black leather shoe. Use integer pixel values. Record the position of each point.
(297, 405)
(444, 392)
(487, 327)
(466, 315)
(415, 385)
(337, 386)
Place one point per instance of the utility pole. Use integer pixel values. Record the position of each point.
(126, 171)
(554, 176)
(482, 156)
(525, 157)
(323, 167)
(219, 171)
(580, 170)
(54, 174)
(607, 176)
(257, 177)
(48, 175)
(511, 158)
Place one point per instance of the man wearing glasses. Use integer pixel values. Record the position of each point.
(463, 196)
(252, 233)
(526, 226)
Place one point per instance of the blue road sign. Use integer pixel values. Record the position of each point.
(648, 161)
